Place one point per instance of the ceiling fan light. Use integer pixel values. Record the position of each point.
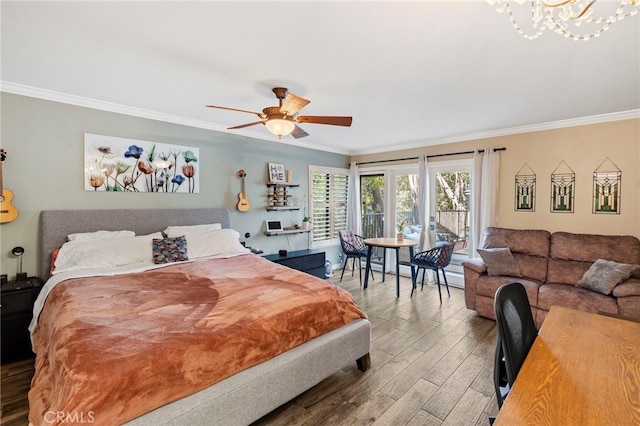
(280, 127)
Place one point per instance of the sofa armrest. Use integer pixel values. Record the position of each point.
(473, 269)
(476, 265)
(631, 287)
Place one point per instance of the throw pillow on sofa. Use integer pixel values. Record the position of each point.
(603, 275)
(500, 261)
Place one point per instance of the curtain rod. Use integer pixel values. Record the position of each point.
(428, 156)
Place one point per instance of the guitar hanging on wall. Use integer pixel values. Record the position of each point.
(7, 211)
(243, 200)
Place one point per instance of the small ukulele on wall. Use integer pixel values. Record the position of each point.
(7, 211)
(243, 200)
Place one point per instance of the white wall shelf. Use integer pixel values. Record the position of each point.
(289, 231)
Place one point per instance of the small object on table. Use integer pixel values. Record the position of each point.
(18, 252)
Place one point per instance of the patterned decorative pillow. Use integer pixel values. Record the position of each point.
(500, 261)
(603, 275)
(167, 250)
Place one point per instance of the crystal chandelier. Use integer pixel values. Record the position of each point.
(575, 19)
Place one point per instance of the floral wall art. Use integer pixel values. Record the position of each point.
(128, 165)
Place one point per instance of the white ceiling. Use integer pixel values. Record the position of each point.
(410, 73)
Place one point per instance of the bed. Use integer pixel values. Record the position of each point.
(89, 320)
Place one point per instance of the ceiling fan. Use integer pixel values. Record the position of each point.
(282, 120)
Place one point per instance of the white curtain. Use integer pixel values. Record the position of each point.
(424, 208)
(427, 239)
(354, 217)
(486, 167)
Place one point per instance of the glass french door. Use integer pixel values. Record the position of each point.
(405, 208)
(450, 209)
(373, 207)
(388, 199)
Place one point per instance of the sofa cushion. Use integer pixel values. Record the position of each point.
(532, 267)
(531, 242)
(499, 261)
(589, 247)
(629, 306)
(571, 255)
(575, 298)
(630, 287)
(604, 275)
(488, 285)
(566, 271)
(530, 248)
(484, 307)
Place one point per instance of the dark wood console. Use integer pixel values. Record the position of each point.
(309, 261)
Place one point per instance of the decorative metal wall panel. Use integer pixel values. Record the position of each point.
(563, 182)
(607, 182)
(525, 198)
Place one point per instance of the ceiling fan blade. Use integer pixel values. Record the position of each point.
(259, 114)
(292, 104)
(299, 133)
(325, 119)
(247, 125)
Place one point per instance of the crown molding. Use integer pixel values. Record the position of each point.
(50, 95)
(573, 122)
(65, 98)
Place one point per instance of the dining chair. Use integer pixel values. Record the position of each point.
(516, 334)
(353, 247)
(435, 259)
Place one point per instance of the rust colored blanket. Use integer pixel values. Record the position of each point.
(110, 349)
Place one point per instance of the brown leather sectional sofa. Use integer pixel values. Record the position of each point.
(551, 264)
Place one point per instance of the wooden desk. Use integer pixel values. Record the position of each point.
(386, 243)
(583, 369)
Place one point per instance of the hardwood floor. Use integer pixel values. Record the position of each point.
(15, 379)
(432, 364)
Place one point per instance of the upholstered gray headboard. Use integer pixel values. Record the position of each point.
(55, 225)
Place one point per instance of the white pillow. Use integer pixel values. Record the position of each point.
(221, 243)
(176, 231)
(100, 235)
(89, 254)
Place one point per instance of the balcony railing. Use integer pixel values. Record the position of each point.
(450, 225)
(373, 225)
(454, 223)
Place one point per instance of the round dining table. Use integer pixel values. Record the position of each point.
(385, 243)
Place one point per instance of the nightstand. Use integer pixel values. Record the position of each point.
(309, 261)
(16, 311)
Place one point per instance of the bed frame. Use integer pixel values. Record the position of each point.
(250, 394)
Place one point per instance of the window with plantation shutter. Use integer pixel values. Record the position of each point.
(328, 203)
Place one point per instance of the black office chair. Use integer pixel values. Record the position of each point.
(516, 334)
(353, 247)
(436, 260)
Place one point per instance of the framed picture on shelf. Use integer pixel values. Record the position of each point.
(276, 172)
